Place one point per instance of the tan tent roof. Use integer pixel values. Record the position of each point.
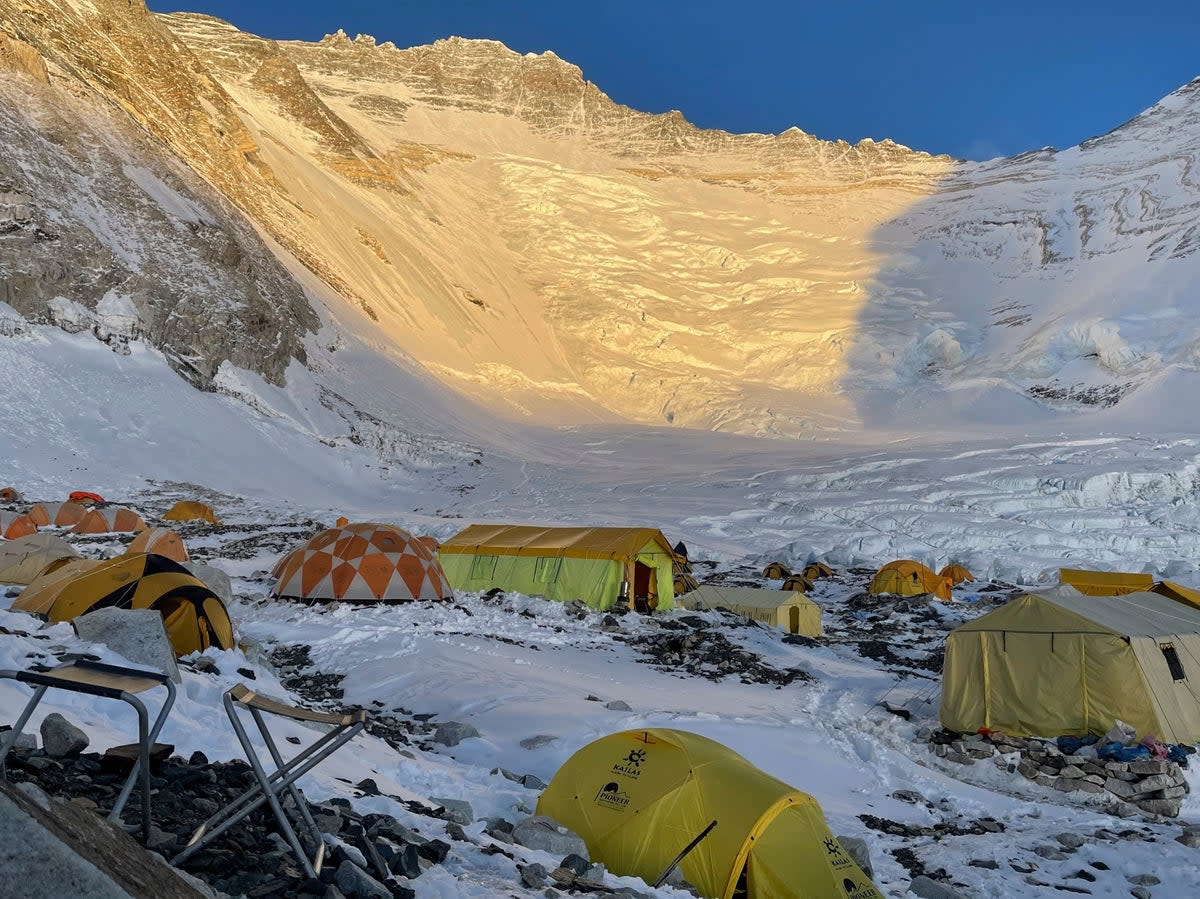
(23, 559)
(572, 543)
(1177, 591)
(1130, 615)
(1105, 583)
(773, 607)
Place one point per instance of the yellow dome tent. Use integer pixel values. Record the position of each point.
(904, 577)
(796, 583)
(23, 559)
(195, 618)
(958, 574)
(776, 571)
(640, 797)
(814, 571)
(190, 510)
(43, 590)
(792, 611)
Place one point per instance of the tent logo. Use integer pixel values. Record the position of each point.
(854, 891)
(611, 796)
(631, 765)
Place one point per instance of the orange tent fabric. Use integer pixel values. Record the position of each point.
(59, 515)
(341, 522)
(361, 563)
(85, 497)
(10, 495)
(114, 520)
(160, 542)
(14, 525)
(430, 543)
(958, 574)
(904, 577)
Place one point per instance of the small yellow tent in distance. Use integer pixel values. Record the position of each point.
(191, 510)
(904, 577)
(638, 798)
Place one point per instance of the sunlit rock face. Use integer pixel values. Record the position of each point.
(499, 219)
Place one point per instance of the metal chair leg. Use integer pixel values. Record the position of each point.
(11, 739)
(318, 859)
(127, 788)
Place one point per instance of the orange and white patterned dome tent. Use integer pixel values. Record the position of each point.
(160, 542)
(15, 524)
(59, 515)
(361, 563)
(113, 520)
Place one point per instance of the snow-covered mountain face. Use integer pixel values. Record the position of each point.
(531, 243)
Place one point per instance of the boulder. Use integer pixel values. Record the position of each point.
(1167, 807)
(857, 849)
(214, 579)
(356, 883)
(451, 733)
(618, 705)
(538, 741)
(546, 834)
(61, 738)
(136, 634)
(930, 889)
(457, 810)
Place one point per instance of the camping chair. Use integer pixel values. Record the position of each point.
(283, 778)
(110, 682)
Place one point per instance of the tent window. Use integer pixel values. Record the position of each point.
(483, 567)
(1172, 657)
(546, 570)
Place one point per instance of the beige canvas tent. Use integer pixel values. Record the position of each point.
(590, 564)
(1064, 663)
(24, 559)
(794, 612)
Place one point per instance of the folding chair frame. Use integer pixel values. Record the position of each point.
(43, 681)
(271, 786)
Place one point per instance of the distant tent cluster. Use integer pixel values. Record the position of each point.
(61, 585)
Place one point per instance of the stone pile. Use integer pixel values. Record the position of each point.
(1148, 786)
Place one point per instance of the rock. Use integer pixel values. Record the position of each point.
(1149, 766)
(1049, 853)
(857, 849)
(910, 796)
(61, 738)
(533, 876)
(1070, 840)
(34, 792)
(1140, 893)
(404, 860)
(930, 889)
(137, 634)
(618, 705)
(1189, 838)
(1121, 788)
(451, 733)
(434, 851)
(368, 786)
(455, 832)
(540, 832)
(984, 863)
(1156, 782)
(1071, 771)
(959, 758)
(26, 742)
(457, 810)
(538, 741)
(214, 578)
(160, 839)
(1166, 807)
(1145, 880)
(532, 782)
(356, 883)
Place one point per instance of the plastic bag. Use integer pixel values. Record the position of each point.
(1121, 733)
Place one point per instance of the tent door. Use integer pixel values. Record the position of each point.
(794, 620)
(643, 581)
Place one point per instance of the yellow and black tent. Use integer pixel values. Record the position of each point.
(194, 617)
(814, 571)
(640, 797)
(1061, 662)
(1105, 583)
(595, 565)
(191, 510)
(796, 583)
(793, 612)
(904, 577)
(776, 571)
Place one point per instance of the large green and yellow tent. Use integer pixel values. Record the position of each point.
(786, 609)
(1105, 583)
(589, 564)
(1062, 662)
(638, 798)
(194, 617)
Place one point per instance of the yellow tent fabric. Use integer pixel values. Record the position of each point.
(793, 612)
(904, 577)
(1063, 662)
(563, 563)
(684, 583)
(194, 617)
(796, 583)
(43, 590)
(191, 510)
(1177, 592)
(23, 559)
(958, 574)
(1105, 583)
(776, 571)
(637, 798)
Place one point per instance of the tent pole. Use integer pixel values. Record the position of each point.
(662, 878)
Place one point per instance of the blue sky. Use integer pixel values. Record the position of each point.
(947, 77)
